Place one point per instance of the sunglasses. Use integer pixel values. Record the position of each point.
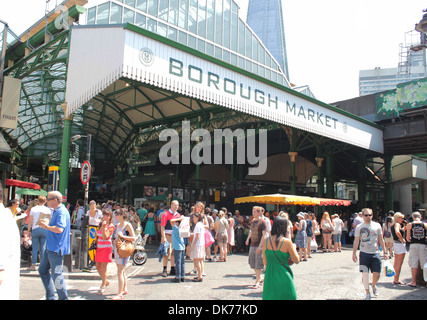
(49, 199)
(368, 215)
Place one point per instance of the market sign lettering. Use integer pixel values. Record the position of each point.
(230, 86)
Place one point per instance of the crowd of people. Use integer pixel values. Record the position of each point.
(203, 234)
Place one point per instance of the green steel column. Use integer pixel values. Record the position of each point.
(320, 178)
(293, 177)
(388, 185)
(361, 184)
(198, 165)
(65, 153)
(330, 177)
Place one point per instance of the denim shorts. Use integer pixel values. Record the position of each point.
(370, 261)
(337, 237)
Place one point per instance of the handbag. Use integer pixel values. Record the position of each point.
(287, 268)
(208, 238)
(124, 247)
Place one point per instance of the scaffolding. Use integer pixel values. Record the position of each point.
(412, 52)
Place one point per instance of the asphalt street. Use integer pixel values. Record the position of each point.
(326, 276)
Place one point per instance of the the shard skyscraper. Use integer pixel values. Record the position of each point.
(265, 17)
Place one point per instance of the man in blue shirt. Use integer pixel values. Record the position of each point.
(57, 245)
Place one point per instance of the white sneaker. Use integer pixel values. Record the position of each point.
(368, 296)
(375, 290)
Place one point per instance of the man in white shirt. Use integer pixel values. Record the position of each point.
(369, 234)
(10, 253)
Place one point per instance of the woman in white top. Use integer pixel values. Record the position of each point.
(337, 233)
(38, 234)
(95, 215)
(198, 245)
(124, 230)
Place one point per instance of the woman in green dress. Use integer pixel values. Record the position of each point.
(279, 279)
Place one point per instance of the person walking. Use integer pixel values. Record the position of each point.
(221, 235)
(150, 227)
(166, 235)
(399, 245)
(368, 235)
(258, 229)
(104, 250)
(124, 231)
(337, 233)
(37, 233)
(178, 251)
(388, 238)
(10, 253)
(301, 236)
(230, 232)
(416, 233)
(327, 227)
(310, 233)
(197, 252)
(278, 251)
(57, 246)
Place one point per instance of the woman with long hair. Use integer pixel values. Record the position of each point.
(327, 227)
(125, 231)
(388, 238)
(278, 252)
(399, 245)
(221, 235)
(104, 249)
(198, 245)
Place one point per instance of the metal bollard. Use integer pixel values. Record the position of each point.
(68, 258)
(78, 252)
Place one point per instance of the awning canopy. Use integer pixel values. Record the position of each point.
(292, 200)
(31, 192)
(334, 202)
(22, 184)
(279, 199)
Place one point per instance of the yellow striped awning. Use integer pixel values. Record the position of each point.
(279, 199)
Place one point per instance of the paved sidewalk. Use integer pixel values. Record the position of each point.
(326, 276)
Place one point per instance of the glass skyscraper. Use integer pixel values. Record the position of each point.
(265, 17)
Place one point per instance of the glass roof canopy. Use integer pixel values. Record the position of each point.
(41, 61)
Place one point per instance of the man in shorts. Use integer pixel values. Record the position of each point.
(166, 233)
(258, 231)
(369, 234)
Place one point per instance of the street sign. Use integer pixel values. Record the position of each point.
(85, 172)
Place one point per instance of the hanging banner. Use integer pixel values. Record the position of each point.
(10, 103)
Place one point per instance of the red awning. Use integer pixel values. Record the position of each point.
(22, 184)
(334, 202)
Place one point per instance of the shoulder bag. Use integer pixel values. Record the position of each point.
(124, 247)
(287, 268)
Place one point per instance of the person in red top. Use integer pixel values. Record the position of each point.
(166, 232)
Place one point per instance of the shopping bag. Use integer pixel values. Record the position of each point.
(184, 228)
(388, 269)
(313, 244)
(208, 238)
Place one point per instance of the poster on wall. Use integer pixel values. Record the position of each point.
(149, 191)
